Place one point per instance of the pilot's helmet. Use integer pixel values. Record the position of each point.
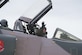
(42, 23)
(3, 23)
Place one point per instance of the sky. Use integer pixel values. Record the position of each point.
(65, 14)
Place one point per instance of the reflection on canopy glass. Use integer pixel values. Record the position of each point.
(61, 34)
(36, 7)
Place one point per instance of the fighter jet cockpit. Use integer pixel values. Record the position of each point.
(22, 25)
(27, 22)
(30, 26)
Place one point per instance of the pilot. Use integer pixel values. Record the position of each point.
(42, 31)
(4, 24)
